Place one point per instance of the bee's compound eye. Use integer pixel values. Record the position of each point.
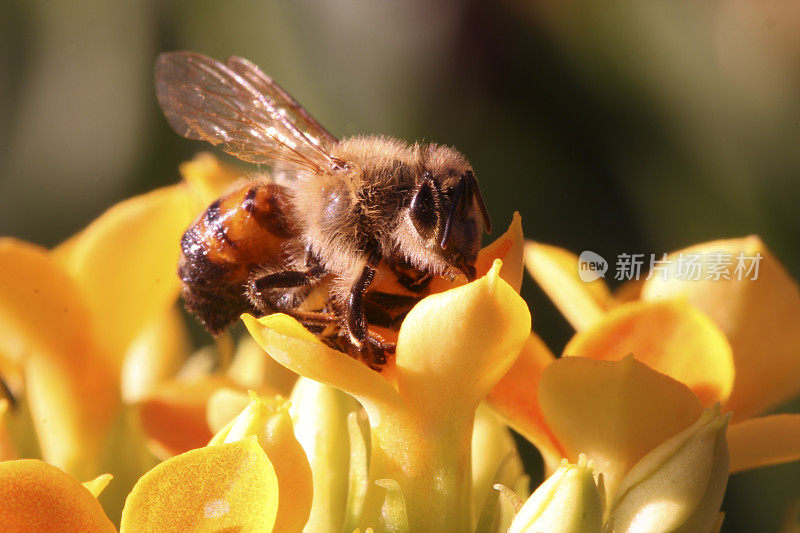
(423, 210)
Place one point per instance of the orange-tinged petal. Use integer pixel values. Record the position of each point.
(155, 355)
(231, 487)
(613, 411)
(7, 449)
(760, 317)
(43, 315)
(516, 399)
(556, 271)
(35, 496)
(487, 324)
(98, 484)
(507, 247)
(174, 415)
(125, 264)
(293, 346)
(764, 441)
(669, 336)
(208, 178)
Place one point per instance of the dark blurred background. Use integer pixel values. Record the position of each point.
(621, 126)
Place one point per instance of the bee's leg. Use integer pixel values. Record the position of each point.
(356, 313)
(259, 286)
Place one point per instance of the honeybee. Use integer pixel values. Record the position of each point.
(350, 211)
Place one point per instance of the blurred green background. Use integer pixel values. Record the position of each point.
(621, 126)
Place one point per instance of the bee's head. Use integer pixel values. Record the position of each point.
(446, 216)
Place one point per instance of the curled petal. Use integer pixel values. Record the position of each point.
(614, 411)
(763, 441)
(35, 496)
(98, 484)
(486, 323)
(760, 317)
(516, 399)
(125, 261)
(556, 271)
(230, 487)
(669, 336)
(293, 346)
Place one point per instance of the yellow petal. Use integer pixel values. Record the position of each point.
(7, 449)
(567, 502)
(223, 406)
(556, 271)
(455, 346)
(293, 346)
(34, 289)
(671, 337)
(231, 487)
(613, 411)
(251, 369)
(268, 420)
(98, 484)
(155, 355)
(679, 485)
(764, 441)
(495, 458)
(35, 496)
(125, 264)
(173, 415)
(208, 178)
(320, 417)
(516, 399)
(761, 319)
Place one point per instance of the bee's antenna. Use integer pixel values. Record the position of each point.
(476, 191)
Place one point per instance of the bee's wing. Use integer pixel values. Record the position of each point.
(207, 100)
(264, 84)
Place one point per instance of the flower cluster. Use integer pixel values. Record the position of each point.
(653, 404)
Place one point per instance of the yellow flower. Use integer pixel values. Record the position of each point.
(760, 318)
(69, 316)
(635, 425)
(452, 348)
(35, 496)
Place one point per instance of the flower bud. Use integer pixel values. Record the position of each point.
(568, 501)
(680, 484)
(268, 420)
